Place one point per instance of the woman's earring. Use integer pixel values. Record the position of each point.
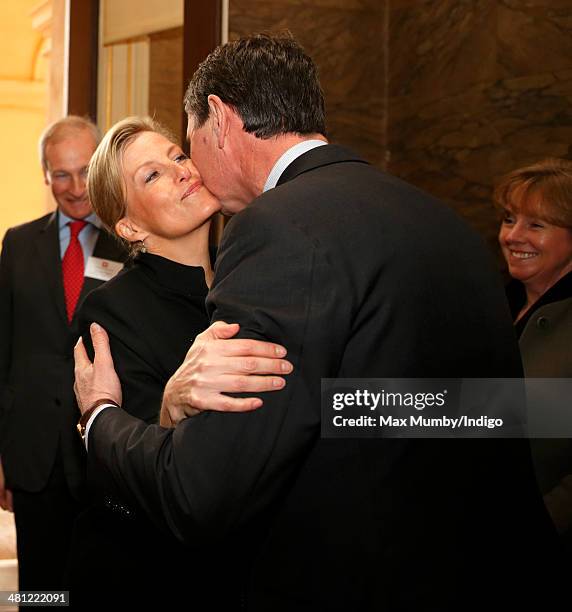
(143, 247)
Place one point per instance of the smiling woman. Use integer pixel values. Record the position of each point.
(536, 229)
(536, 241)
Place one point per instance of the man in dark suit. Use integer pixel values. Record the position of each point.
(46, 267)
(359, 275)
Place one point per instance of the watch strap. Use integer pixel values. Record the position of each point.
(84, 419)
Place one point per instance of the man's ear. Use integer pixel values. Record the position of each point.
(46, 179)
(127, 230)
(220, 113)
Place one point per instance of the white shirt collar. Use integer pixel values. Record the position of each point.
(287, 158)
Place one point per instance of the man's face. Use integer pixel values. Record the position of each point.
(219, 167)
(67, 161)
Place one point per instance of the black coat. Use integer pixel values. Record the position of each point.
(359, 275)
(545, 338)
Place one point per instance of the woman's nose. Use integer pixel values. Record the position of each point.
(515, 233)
(183, 172)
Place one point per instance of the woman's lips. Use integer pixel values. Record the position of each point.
(192, 188)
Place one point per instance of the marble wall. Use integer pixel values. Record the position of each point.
(448, 94)
(346, 39)
(477, 88)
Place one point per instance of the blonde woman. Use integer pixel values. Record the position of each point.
(148, 192)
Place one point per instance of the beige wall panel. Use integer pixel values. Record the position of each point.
(23, 190)
(123, 88)
(124, 19)
(57, 85)
(165, 83)
(18, 40)
(23, 99)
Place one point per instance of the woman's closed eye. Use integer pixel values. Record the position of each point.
(150, 176)
(181, 158)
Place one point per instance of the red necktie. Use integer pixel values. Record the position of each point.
(72, 268)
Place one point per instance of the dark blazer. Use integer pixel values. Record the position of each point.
(38, 411)
(359, 275)
(152, 312)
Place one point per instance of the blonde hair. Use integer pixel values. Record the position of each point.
(63, 128)
(105, 183)
(542, 190)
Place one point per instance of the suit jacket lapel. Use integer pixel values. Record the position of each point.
(106, 247)
(48, 250)
(317, 158)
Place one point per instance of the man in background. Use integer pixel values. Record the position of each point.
(46, 267)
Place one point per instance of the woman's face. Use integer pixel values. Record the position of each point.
(165, 195)
(537, 252)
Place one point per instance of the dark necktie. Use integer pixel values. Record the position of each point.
(72, 268)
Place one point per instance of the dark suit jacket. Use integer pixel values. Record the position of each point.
(359, 275)
(37, 404)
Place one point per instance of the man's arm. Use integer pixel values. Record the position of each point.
(217, 470)
(229, 366)
(214, 366)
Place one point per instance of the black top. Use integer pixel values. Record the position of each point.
(152, 313)
(516, 294)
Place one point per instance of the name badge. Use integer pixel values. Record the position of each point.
(102, 269)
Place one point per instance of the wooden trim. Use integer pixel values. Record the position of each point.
(202, 29)
(108, 87)
(129, 79)
(201, 34)
(83, 56)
